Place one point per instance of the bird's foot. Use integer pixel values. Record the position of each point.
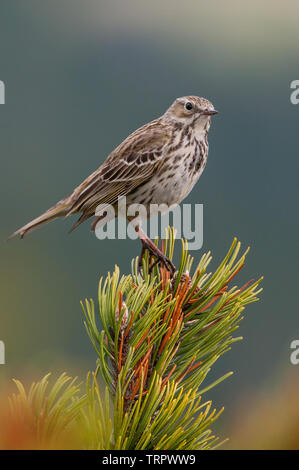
(158, 254)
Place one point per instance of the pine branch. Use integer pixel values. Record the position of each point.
(160, 338)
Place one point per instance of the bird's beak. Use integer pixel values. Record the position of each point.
(210, 112)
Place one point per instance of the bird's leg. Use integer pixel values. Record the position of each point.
(141, 255)
(147, 244)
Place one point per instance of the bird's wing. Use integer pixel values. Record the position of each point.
(128, 166)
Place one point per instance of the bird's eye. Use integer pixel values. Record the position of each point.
(189, 106)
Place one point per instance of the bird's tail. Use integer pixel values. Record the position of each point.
(60, 209)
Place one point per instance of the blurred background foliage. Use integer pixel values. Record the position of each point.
(267, 419)
(80, 76)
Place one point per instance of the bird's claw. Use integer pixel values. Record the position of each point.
(160, 258)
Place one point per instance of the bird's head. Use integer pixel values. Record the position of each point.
(190, 110)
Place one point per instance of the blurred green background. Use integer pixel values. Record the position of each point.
(80, 76)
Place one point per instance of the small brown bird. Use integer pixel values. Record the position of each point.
(157, 164)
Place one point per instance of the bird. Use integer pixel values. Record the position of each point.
(159, 163)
